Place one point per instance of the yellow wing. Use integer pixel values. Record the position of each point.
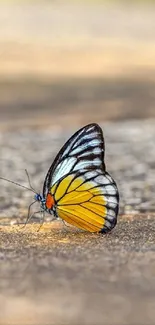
(88, 201)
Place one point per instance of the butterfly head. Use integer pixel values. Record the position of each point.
(38, 197)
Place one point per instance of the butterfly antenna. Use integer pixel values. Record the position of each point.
(29, 181)
(27, 188)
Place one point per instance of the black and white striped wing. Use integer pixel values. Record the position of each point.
(83, 151)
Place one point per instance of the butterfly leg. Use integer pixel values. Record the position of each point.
(30, 216)
(42, 220)
(57, 217)
(65, 224)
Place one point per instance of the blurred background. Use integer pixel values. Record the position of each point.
(76, 62)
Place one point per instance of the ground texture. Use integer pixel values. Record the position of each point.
(63, 276)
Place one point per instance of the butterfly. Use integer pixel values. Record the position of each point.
(77, 187)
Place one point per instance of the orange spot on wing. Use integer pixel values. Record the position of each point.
(49, 201)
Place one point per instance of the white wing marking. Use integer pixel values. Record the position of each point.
(108, 224)
(102, 180)
(91, 174)
(94, 142)
(63, 168)
(110, 214)
(85, 138)
(82, 164)
(71, 144)
(112, 201)
(96, 162)
(78, 149)
(108, 190)
(95, 151)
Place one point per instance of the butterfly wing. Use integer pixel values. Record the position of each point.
(85, 194)
(84, 150)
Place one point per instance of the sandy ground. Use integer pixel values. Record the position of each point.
(63, 276)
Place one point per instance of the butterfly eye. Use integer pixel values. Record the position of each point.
(38, 197)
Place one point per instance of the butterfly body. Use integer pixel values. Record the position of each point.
(46, 204)
(77, 187)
